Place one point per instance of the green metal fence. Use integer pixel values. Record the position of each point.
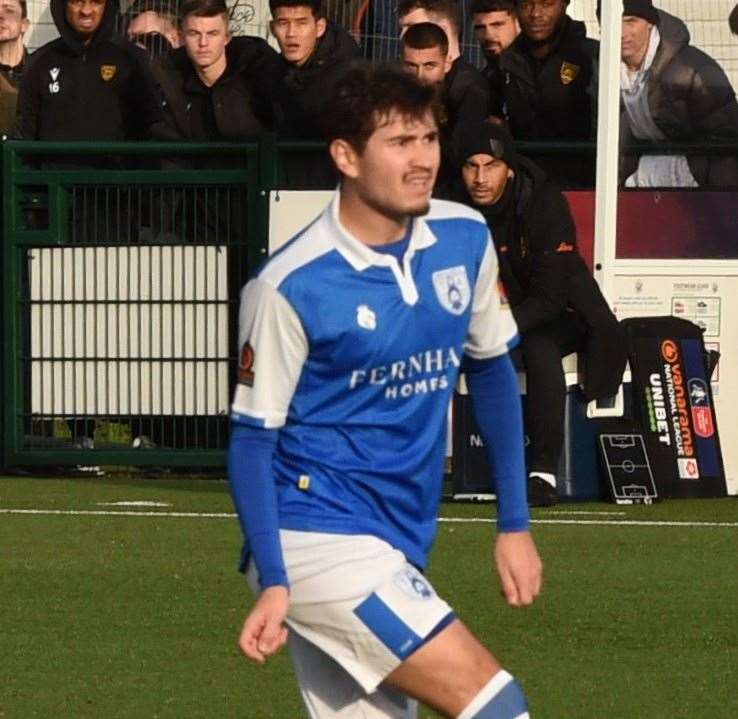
(121, 284)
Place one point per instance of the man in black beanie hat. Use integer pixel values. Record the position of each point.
(555, 301)
(672, 92)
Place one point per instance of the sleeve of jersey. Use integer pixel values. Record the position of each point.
(493, 387)
(492, 329)
(273, 349)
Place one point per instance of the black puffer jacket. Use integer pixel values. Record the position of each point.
(554, 99)
(307, 87)
(240, 106)
(691, 100)
(102, 91)
(543, 273)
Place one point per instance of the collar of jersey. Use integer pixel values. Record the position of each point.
(361, 256)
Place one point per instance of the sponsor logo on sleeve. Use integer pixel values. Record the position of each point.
(246, 366)
(452, 289)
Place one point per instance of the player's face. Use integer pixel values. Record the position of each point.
(495, 31)
(429, 65)
(394, 175)
(297, 31)
(636, 35)
(485, 178)
(85, 16)
(539, 18)
(12, 24)
(205, 39)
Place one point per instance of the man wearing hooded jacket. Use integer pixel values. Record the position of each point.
(549, 77)
(672, 92)
(88, 84)
(554, 299)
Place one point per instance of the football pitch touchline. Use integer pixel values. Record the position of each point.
(445, 520)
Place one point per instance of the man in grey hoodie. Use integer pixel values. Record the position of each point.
(672, 92)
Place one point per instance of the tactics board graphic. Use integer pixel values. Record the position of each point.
(628, 468)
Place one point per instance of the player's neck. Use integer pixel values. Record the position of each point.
(367, 224)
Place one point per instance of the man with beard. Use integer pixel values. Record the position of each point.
(549, 77)
(555, 301)
(496, 26)
(351, 343)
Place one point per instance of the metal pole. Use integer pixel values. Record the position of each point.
(608, 149)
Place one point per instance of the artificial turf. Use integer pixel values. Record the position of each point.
(137, 616)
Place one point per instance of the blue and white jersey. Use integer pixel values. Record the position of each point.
(354, 356)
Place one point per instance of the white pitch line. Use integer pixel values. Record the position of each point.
(446, 520)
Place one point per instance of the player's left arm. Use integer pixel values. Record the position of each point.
(494, 389)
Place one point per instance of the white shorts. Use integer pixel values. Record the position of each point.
(359, 609)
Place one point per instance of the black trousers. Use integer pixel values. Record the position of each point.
(539, 354)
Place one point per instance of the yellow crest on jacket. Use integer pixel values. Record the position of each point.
(569, 72)
(107, 72)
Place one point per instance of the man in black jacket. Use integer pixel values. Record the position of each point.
(88, 84)
(672, 91)
(555, 301)
(217, 87)
(549, 77)
(316, 52)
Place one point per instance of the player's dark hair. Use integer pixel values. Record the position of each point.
(733, 20)
(362, 99)
(316, 6)
(479, 7)
(203, 8)
(447, 9)
(424, 36)
(24, 9)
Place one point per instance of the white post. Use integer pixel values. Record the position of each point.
(608, 150)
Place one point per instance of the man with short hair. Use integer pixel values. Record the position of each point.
(351, 342)
(555, 301)
(154, 26)
(14, 25)
(465, 92)
(217, 87)
(549, 77)
(316, 51)
(733, 20)
(496, 26)
(672, 91)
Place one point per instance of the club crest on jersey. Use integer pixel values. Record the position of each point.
(366, 318)
(452, 289)
(107, 72)
(569, 72)
(413, 583)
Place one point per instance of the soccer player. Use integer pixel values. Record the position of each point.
(352, 337)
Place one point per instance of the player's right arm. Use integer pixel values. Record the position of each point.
(273, 348)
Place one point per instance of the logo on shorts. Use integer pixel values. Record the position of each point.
(246, 366)
(452, 289)
(413, 583)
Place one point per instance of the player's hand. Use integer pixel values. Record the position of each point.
(263, 632)
(519, 567)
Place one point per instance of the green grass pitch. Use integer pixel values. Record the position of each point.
(137, 616)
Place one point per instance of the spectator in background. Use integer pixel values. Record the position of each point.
(87, 84)
(549, 77)
(444, 13)
(217, 87)
(14, 25)
(556, 303)
(154, 26)
(425, 54)
(672, 92)
(316, 51)
(496, 27)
